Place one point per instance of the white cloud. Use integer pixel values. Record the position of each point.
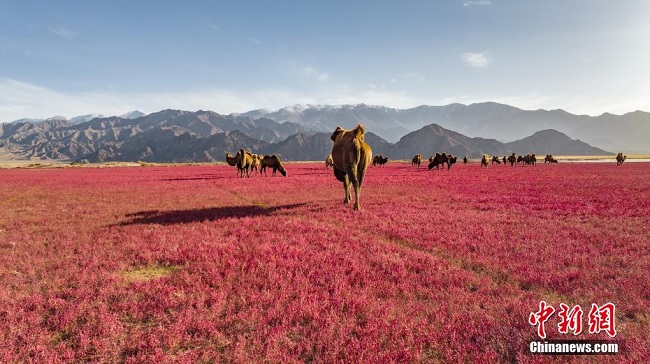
(63, 32)
(476, 60)
(476, 2)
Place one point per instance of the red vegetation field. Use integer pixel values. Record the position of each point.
(191, 264)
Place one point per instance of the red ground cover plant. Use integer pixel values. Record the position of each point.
(192, 264)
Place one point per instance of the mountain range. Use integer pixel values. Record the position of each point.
(205, 136)
(629, 132)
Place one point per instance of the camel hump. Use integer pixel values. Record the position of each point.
(359, 131)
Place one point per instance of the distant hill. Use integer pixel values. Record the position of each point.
(434, 138)
(553, 142)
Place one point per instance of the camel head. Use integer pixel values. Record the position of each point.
(356, 133)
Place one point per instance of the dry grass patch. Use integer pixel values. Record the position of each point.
(148, 272)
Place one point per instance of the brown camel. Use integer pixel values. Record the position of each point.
(272, 162)
(244, 162)
(485, 161)
(257, 161)
(417, 160)
(232, 161)
(351, 155)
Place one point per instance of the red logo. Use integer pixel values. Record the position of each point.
(540, 317)
(571, 320)
(601, 318)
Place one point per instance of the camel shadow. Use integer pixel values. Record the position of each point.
(201, 215)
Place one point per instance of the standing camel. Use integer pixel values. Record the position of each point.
(351, 155)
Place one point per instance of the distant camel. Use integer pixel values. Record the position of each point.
(329, 162)
(485, 161)
(351, 155)
(417, 160)
(257, 161)
(620, 158)
(520, 159)
(437, 161)
(512, 159)
(505, 160)
(244, 162)
(232, 161)
(465, 160)
(549, 159)
(496, 160)
(379, 160)
(451, 160)
(440, 159)
(272, 162)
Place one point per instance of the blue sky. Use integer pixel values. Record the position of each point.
(78, 57)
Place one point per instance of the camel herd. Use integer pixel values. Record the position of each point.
(351, 156)
(379, 160)
(246, 162)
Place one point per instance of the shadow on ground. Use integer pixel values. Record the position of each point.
(200, 215)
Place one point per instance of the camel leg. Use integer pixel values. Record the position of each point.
(352, 176)
(346, 187)
(357, 196)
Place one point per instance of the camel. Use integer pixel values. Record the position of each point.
(438, 160)
(244, 162)
(256, 163)
(379, 160)
(232, 161)
(465, 160)
(549, 159)
(351, 155)
(505, 160)
(496, 160)
(620, 158)
(451, 160)
(329, 162)
(512, 159)
(520, 159)
(417, 160)
(272, 162)
(485, 160)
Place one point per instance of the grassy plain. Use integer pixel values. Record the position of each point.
(192, 264)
